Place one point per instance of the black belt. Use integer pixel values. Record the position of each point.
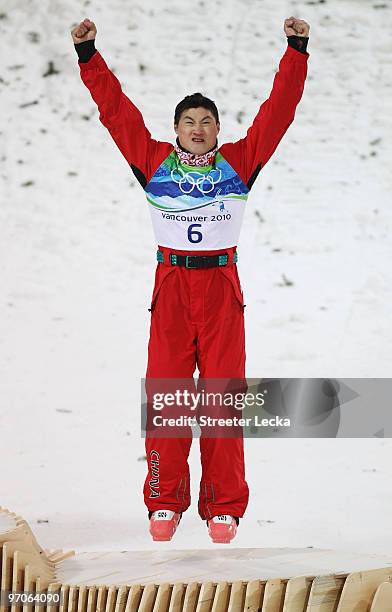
(197, 261)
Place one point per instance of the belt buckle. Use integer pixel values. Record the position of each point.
(187, 258)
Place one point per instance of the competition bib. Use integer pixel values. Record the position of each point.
(196, 207)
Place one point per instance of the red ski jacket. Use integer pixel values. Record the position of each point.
(247, 156)
(196, 208)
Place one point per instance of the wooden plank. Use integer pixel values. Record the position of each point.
(254, 595)
(91, 598)
(221, 599)
(54, 588)
(61, 556)
(191, 596)
(148, 598)
(177, 597)
(382, 600)
(325, 593)
(297, 594)
(6, 576)
(162, 600)
(52, 552)
(29, 585)
(121, 599)
(64, 594)
(1, 563)
(360, 587)
(206, 597)
(101, 598)
(73, 599)
(134, 597)
(37, 608)
(237, 597)
(82, 598)
(17, 579)
(274, 593)
(111, 599)
(18, 571)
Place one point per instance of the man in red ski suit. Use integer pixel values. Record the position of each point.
(196, 192)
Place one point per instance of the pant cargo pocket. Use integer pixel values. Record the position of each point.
(161, 274)
(232, 275)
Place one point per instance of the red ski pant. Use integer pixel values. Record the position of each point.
(197, 319)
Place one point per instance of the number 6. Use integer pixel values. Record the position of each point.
(192, 232)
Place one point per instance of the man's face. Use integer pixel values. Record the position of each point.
(197, 130)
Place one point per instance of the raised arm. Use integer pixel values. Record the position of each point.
(116, 111)
(251, 153)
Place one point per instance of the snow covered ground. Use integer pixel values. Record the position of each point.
(77, 260)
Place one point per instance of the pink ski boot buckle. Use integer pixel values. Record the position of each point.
(163, 525)
(222, 529)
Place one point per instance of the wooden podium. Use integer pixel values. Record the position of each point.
(234, 579)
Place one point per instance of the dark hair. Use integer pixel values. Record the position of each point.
(195, 101)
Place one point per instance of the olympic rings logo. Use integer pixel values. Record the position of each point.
(205, 183)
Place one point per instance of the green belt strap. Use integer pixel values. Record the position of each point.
(222, 258)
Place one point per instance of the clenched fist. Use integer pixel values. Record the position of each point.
(296, 27)
(86, 30)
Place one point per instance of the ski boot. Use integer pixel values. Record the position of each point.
(222, 529)
(163, 524)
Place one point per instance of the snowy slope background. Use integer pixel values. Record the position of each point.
(77, 261)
